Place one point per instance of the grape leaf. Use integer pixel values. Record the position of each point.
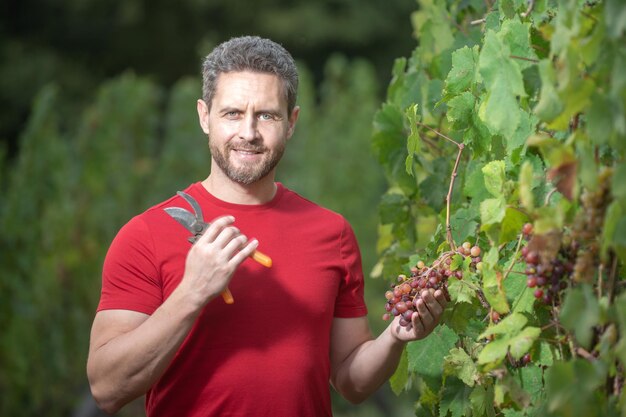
(482, 401)
(521, 343)
(459, 364)
(494, 176)
(393, 208)
(526, 186)
(504, 83)
(580, 313)
(545, 354)
(493, 291)
(426, 356)
(512, 224)
(494, 352)
(516, 35)
(516, 141)
(413, 141)
(460, 292)
(463, 224)
(549, 105)
(510, 325)
(492, 211)
(474, 185)
(461, 110)
(400, 377)
(463, 72)
(530, 378)
(582, 398)
(457, 261)
(455, 399)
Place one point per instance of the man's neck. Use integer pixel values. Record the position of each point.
(223, 188)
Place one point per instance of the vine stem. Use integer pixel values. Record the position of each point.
(514, 257)
(460, 146)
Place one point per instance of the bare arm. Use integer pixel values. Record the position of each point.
(129, 351)
(361, 364)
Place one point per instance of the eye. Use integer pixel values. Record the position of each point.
(266, 116)
(232, 114)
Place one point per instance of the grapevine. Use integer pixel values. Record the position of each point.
(533, 95)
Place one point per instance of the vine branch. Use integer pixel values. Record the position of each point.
(460, 146)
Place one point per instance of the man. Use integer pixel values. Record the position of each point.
(162, 328)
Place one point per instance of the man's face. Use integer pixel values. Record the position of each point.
(248, 125)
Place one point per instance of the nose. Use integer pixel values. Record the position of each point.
(248, 128)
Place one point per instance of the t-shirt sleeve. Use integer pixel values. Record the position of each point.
(350, 301)
(130, 278)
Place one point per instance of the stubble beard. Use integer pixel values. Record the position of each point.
(247, 173)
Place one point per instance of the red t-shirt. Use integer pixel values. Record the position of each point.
(268, 353)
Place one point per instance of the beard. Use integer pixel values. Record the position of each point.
(247, 173)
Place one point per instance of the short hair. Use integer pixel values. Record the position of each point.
(250, 53)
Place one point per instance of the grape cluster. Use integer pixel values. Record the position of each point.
(404, 294)
(588, 226)
(547, 277)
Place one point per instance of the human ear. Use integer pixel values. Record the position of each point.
(203, 115)
(293, 118)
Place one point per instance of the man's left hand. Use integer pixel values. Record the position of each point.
(430, 308)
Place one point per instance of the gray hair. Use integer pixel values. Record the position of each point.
(250, 53)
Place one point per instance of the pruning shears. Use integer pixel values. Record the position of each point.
(194, 222)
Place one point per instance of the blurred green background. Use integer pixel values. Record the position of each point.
(98, 122)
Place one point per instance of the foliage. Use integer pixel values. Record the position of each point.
(73, 185)
(534, 93)
(80, 44)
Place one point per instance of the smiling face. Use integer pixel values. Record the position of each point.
(248, 125)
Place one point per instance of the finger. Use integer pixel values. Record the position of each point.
(432, 304)
(235, 245)
(418, 325)
(442, 298)
(226, 235)
(215, 228)
(246, 251)
(424, 313)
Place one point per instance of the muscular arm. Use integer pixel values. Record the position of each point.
(129, 351)
(361, 364)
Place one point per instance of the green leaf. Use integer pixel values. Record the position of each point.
(393, 208)
(545, 354)
(516, 35)
(526, 186)
(455, 400)
(461, 110)
(530, 378)
(463, 72)
(463, 224)
(516, 142)
(504, 83)
(494, 292)
(426, 356)
(457, 261)
(482, 401)
(580, 313)
(460, 292)
(494, 176)
(549, 105)
(510, 325)
(400, 378)
(413, 141)
(494, 352)
(492, 211)
(580, 399)
(512, 224)
(521, 344)
(459, 364)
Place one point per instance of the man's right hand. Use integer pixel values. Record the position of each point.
(213, 259)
